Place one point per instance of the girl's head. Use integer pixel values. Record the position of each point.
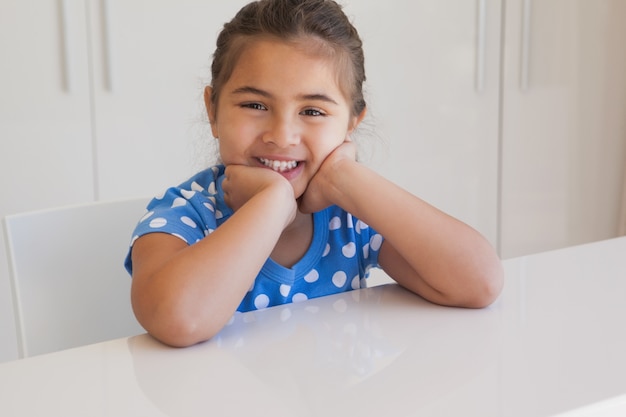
(319, 26)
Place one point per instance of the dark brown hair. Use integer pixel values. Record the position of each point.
(319, 25)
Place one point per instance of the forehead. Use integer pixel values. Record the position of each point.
(302, 61)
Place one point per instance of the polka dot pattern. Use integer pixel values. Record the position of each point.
(340, 256)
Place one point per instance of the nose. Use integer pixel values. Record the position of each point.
(282, 132)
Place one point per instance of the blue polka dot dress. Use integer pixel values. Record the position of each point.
(342, 251)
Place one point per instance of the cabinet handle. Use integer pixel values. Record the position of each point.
(66, 69)
(106, 45)
(481, 39)
(526, 27)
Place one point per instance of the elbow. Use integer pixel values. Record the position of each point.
(174, 328)
(179, 333)
(487, 287)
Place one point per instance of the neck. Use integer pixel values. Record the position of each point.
(294, 241)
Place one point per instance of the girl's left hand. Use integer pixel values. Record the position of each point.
(318, 194)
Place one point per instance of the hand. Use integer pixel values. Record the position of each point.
(317, 196)
(241, 183)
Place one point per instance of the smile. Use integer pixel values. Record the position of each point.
(279, 166)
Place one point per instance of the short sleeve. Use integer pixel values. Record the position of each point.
(368, 242)
(189, 211)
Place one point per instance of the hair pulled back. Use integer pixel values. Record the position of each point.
(319, 24)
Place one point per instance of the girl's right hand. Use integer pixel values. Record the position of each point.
(241, 183)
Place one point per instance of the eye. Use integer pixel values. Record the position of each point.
(254, 106)
(312, 112)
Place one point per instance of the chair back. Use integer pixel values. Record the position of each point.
(69, 284)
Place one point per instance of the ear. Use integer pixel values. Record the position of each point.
(211, 110)
(355, 121)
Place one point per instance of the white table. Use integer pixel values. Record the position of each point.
(554, 342)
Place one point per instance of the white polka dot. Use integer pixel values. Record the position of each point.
(196, 187)
(340, 306)
(356, 283)
(211, 188)
(339, 279)
(349, 221)
(261, 301)
(312, 276)
(361, 226)
(335, 223)
(218, 214)
(179, 202)
(187, 193)
(376, 241)
(284, 290)
(349, 250)
(299, 297)
(209, 206)
(158, 222)
(366, 251)
(326, 250)
(186, 220)
(147, 216)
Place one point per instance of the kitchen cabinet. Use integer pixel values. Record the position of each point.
(151, 60)
(45, 119)
(563, 126)
(433, 94)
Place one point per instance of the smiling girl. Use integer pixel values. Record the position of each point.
(290, 214)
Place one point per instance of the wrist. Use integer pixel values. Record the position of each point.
(340, 179)
(282, 199)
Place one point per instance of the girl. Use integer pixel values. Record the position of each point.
(290, 214)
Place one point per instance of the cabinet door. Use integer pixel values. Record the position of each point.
(45, 118)
(564, 103)
(432, 91)
(151, 63)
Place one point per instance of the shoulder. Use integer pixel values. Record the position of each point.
(189, 210)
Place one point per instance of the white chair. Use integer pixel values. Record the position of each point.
(69, 284)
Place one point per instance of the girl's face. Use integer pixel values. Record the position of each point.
(281, 109)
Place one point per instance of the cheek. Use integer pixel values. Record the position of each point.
(234, 140)
(328, 140)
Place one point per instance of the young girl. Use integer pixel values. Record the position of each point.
(290, 214)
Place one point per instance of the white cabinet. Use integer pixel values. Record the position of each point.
(150, 63)
(45, 119)
(433, 92)
(563, 127)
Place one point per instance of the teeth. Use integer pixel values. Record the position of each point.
(279, 166)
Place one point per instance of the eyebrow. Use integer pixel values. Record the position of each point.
(263, 93)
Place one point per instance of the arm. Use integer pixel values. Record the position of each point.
(425, 250)
(180, 293)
